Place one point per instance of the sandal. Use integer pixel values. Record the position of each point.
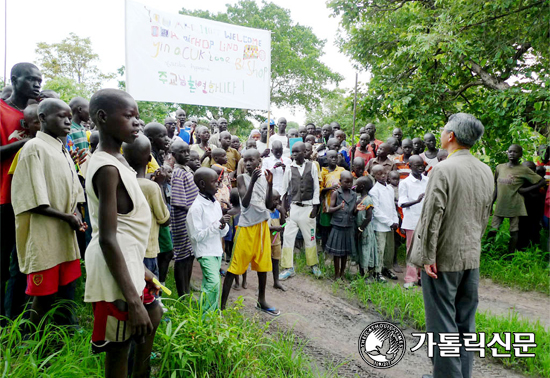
(271, 310)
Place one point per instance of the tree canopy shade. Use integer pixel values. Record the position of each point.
(71, 59)
(298, 77)
(432, 58)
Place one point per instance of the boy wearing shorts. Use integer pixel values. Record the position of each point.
(118, 284)
(45, 192)
(252, 241)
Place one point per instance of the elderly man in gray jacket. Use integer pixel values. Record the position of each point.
(447, 240)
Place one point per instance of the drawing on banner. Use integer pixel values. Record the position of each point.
(251, 52)
(176, 58)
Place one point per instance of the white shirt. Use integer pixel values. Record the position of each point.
(203, 227)
(409, 190)
(314, 173)
(284, 140)
(278, 172)
(430, 162)
(384, 213)
(261, 146)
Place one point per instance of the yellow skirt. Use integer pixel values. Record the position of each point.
(252, 246)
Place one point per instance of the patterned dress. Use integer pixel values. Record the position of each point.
(184, 192)
(328, 179)
(367, 251)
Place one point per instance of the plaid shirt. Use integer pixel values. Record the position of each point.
(79, 137)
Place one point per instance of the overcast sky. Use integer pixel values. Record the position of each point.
(33, 21)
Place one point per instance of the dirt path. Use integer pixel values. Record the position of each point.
(501, 300)
(331, 326)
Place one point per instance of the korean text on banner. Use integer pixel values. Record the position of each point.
(176, 58)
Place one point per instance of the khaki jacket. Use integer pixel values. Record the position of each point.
(454, 216)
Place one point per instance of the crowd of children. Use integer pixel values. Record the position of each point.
(91, 180)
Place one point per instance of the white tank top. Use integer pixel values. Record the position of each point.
(132, 235)
(256, 212)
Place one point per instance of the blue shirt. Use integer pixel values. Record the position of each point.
(185, 134)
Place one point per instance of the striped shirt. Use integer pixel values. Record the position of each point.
(79, 137)
(184, 192)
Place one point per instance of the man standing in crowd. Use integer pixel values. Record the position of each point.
(26, 80)
(447, 241)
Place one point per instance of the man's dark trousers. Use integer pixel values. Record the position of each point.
(450, 304)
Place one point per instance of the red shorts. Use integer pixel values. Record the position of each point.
(111, 322)
(47, 282)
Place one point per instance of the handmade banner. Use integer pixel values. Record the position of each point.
(190, 60)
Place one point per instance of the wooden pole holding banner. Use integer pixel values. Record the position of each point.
(268, 124)
(5, 41)
(354, 112)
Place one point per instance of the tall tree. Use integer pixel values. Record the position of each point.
(298, 77)
(73, 58)
(432, 58)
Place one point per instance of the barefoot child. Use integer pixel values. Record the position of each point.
(206, 226)
(45, 192)
(118, 284)
(341, 241)
(137, 155)
(367, 250)
(411, 199)
(184, 193)
(276, 228)
(252, 241)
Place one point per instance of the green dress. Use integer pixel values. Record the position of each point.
(367, 251)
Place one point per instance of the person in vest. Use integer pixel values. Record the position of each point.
(301, 187)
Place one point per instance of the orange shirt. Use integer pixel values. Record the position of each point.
(366, 156)
(403, 168)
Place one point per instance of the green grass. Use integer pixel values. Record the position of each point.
(231, 345)
(186, 345)
(407, 307)
(528, 270)
(55, 352)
